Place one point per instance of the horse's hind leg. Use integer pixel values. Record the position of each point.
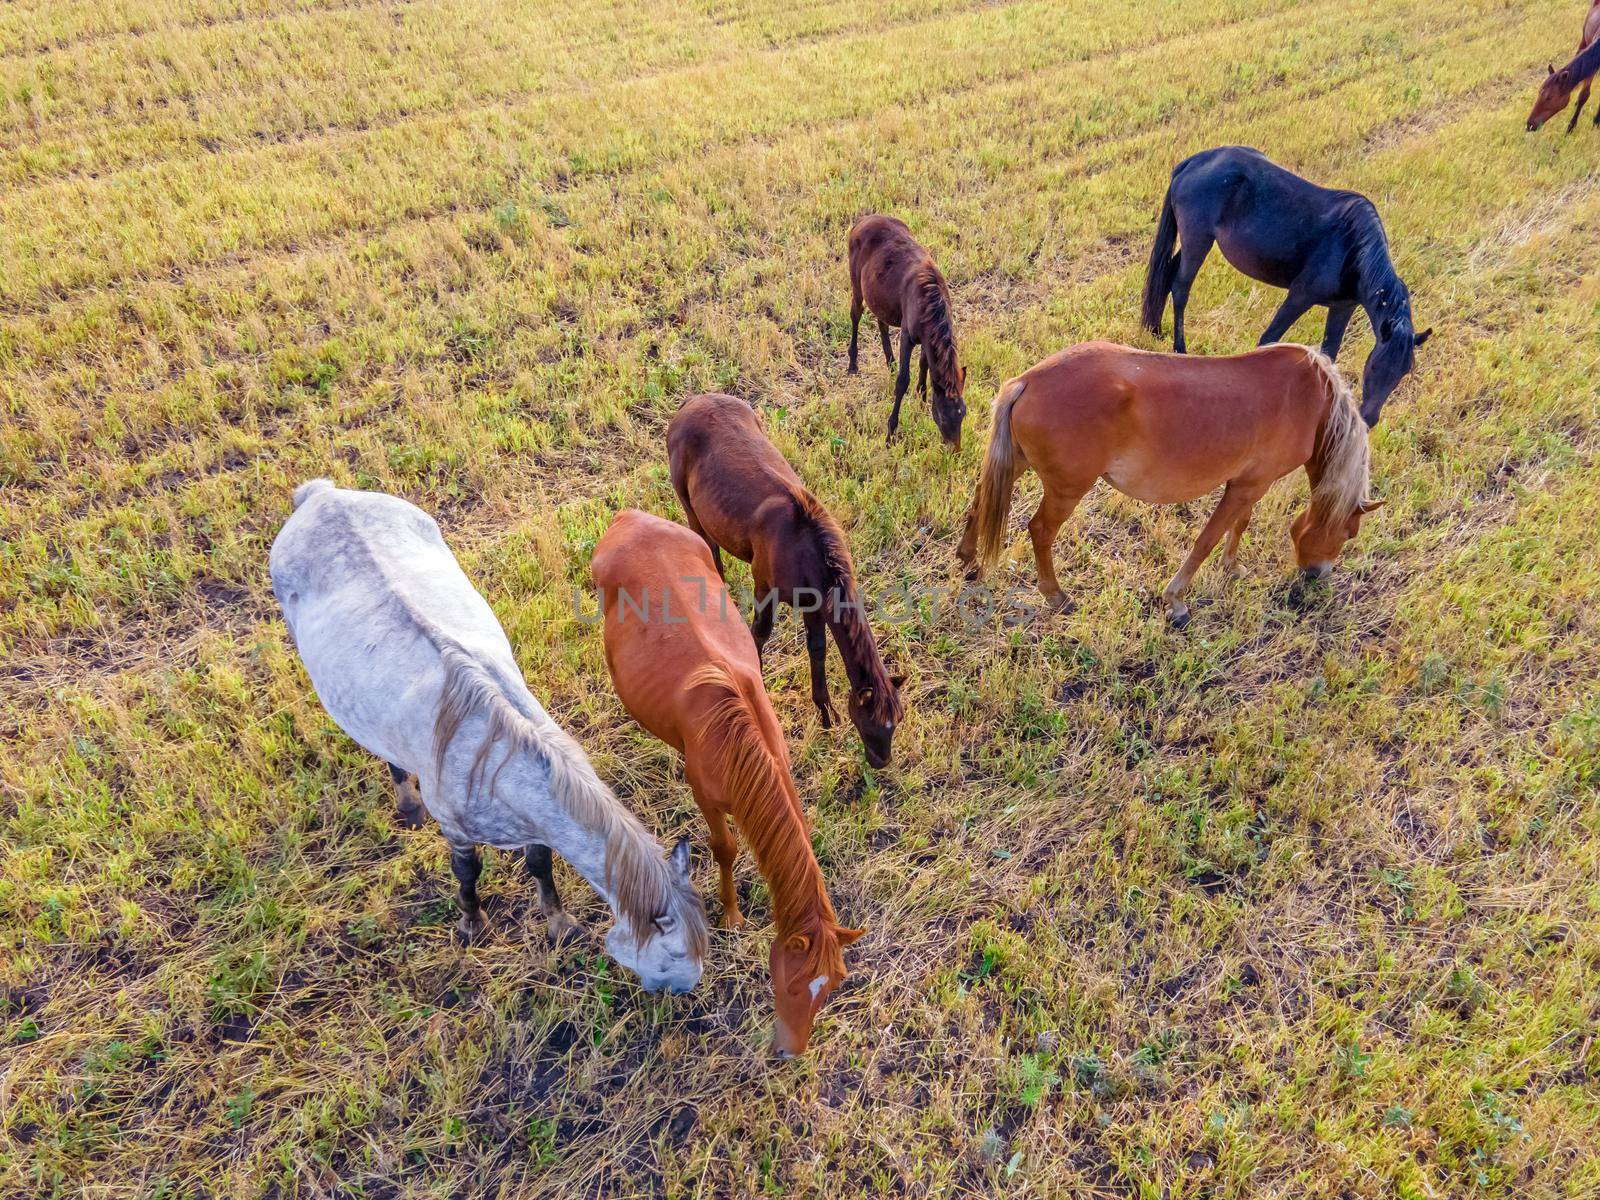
(855, 324)
(1230, 548)
(537, 862)
(1053, 512)
(1191, 253)
(408, 797)
(1236, 504)
(1333, 333)
(467, 865)
(694, 524)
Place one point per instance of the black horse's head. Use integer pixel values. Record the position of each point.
(1393, 356)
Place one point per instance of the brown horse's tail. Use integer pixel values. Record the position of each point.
(991, 508)
(1163, 266)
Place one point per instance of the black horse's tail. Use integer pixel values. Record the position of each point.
(1163, 266)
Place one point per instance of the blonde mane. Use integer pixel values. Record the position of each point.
(768, 814)
(639, 880)
(1342, 455)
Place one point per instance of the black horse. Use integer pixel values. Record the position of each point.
(1327, 247)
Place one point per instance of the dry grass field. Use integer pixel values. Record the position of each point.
(1301, 901)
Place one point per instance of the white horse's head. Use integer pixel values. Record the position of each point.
(669, 953)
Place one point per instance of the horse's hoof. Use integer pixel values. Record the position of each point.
(562, 928)
(1178, 618)
(470, 928)
(733, 920)
(851, 370)
(1058, 603)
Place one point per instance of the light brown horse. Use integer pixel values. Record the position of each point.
(1557, 88)
(896, 278)
(742, 496)
(684, 666)
(1166, 428)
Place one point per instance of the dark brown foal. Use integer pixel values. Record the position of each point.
(892, 274)
(741, 496)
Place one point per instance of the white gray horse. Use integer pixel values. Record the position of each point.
(411, 662)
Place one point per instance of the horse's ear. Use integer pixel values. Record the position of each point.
(1386, 330)
(797, 942)
(1550, 68)
(865, 696)
(963, 378)
(680, 857)
(897, 680)
(1367, 506)
(846, 936)
(1422, 337)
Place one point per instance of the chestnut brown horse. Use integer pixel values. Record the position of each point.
(686, 669)
(892, 274)
(742, 496)
(1167, 428)
(1557, 88)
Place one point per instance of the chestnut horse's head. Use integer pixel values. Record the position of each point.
(950, 409)
(807, 965)
(1317, 542)
(1552, 98)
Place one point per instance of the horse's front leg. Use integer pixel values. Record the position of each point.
(883, 335)
(922, 374)
(537, 862)
(467, 865)
(817, 652)
(1583, 98)
(902, 383)
(766, 608)
(1333, 333)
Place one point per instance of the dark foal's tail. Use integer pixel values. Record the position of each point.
(991, 507)
(1163, 266)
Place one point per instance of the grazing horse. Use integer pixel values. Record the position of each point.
(1166, 428)
(742, 496)
(1558, 85)
(892, 274)
(1327, 247)
(684, 665)
(410, 661)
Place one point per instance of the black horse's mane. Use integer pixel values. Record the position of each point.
(1585, 64)
(1369, 251)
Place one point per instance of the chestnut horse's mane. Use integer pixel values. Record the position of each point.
(640, 881)
(768, 813)
(1342, 453)
(938, 337)
(848, 617)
